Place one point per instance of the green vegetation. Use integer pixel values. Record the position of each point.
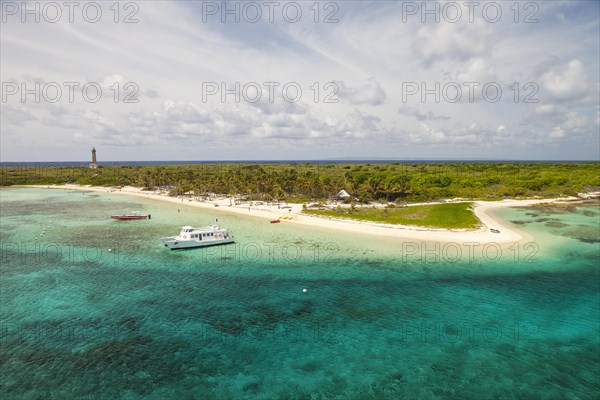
(309, 182)
(449, 215)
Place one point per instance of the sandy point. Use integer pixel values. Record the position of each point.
(484, 210)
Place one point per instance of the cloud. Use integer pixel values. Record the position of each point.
(460, 134)
(151, 93)
(572, 124)
(557, 133)
(552, 122)
(277, 104)
(119, 89)
(567, 84)
(454, 41)
(476, 70)
(371, 93)
(420, 116)
(369, 41)
(243, 125)
(15, 115)
(576, 122)
(185, 113)
(429, 134)
(545, 109)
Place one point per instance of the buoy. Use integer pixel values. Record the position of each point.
(304, 290)
(109, 250)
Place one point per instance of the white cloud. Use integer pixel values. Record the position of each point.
(476, 70)
(419, 115)
(557, 133)
(572, 125)
(371, 93)
(185, 112)
(169, 54)
(15, 115)
(456, 41)
(566, 84)
(544, 109)
(575, 122)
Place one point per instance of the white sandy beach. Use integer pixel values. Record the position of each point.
(483, 210)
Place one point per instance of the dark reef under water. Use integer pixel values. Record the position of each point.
(140, 322)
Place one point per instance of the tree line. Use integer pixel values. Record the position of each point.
(392, 182)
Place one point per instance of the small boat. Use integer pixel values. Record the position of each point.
(275, 221)
(129, 217)
(198, 237)
(494, 230)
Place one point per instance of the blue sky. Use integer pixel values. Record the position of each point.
(367, 62)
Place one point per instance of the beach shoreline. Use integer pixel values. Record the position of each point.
(484, 210)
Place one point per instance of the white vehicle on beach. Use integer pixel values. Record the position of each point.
(198, 237)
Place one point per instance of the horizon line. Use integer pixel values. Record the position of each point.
(337, 159)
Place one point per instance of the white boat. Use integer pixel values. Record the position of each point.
(198, 237)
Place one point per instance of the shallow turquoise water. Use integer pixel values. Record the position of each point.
(140, 321)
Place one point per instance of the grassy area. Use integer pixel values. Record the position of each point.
(450, 215)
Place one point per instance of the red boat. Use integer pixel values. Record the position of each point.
(275, 221)
(129, 217)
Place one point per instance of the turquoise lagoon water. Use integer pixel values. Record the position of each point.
(92, 308)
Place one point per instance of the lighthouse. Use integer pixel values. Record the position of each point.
(94, 164)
